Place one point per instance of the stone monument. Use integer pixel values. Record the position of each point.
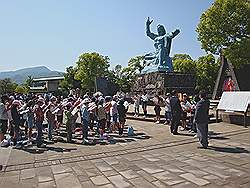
(157, 75)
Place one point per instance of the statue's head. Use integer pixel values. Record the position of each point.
(161, 30)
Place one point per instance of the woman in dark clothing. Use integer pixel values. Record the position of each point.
(121, 115)
(16, 119)
(157, 102)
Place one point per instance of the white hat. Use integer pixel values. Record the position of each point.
(86, 101)
(12, 98)
(17, 102)
(40, 100)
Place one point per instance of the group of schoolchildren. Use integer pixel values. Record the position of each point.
(96, 113)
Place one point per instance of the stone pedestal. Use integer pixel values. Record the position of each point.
(164, 83)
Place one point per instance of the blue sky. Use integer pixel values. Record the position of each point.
(55, 32)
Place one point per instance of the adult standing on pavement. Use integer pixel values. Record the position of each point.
(144, 101)
(168, 115)
(3, 117)
(201, 119)
(175, 111)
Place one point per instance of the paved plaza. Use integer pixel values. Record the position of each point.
(152, 158)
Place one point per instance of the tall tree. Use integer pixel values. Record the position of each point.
(90, 66)
(69, 81)
(206, 73)
(29, 81)
(225, 26)
(184, 63)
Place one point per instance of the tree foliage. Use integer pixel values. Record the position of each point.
(225, 26)
(184, 63)
(125, 76)
(205, 69)
(7, 86)
(206, 73)
(29, 81)
(69, 81)
(22, 89)
(90, 66)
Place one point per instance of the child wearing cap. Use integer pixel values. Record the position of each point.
(101, 117)
(69, 119)
(114, 113)
(85, 119)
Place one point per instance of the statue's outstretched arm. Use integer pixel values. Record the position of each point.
(174, 33)
(148, 32)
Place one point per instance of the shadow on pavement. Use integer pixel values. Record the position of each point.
(35, 150)
(228, 149)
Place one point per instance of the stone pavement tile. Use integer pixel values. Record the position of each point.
(185, 185)
(194, 179)
(199, 157)
(107, 186)
(246, 185)
(120, 167)
(9, 181)
(44, 178)
(151, 169)
(110, 173)
(48, 184)
(141, 182)
(78, 170)
(195, 163)
(58, 169)
(44, 174)
(111, 160)
(133, 157)
(211, 177)
(93, 172)
(165, 175)
(172, 168)
(129, 174)
(99, 180)
(83, 178)
(235, 172)
(103, 166)
(173, 181)
(119, 181)
(150, 157)
(179, 164)
(159, 184)
(67, 180)
(31, 182)
(88, 184)
(27, 173)
(196, 171)
(218, 172)
(146, 176)
(85, 164)
(11, 173)
(96, 161)
(219, 165)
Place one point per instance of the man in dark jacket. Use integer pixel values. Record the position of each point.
(175, 111)
(201, 118)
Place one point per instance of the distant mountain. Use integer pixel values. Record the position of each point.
(19, 76)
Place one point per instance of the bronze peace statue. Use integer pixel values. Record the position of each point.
(159, 61)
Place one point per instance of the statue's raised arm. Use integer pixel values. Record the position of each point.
(174, 33)
(148, 32)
